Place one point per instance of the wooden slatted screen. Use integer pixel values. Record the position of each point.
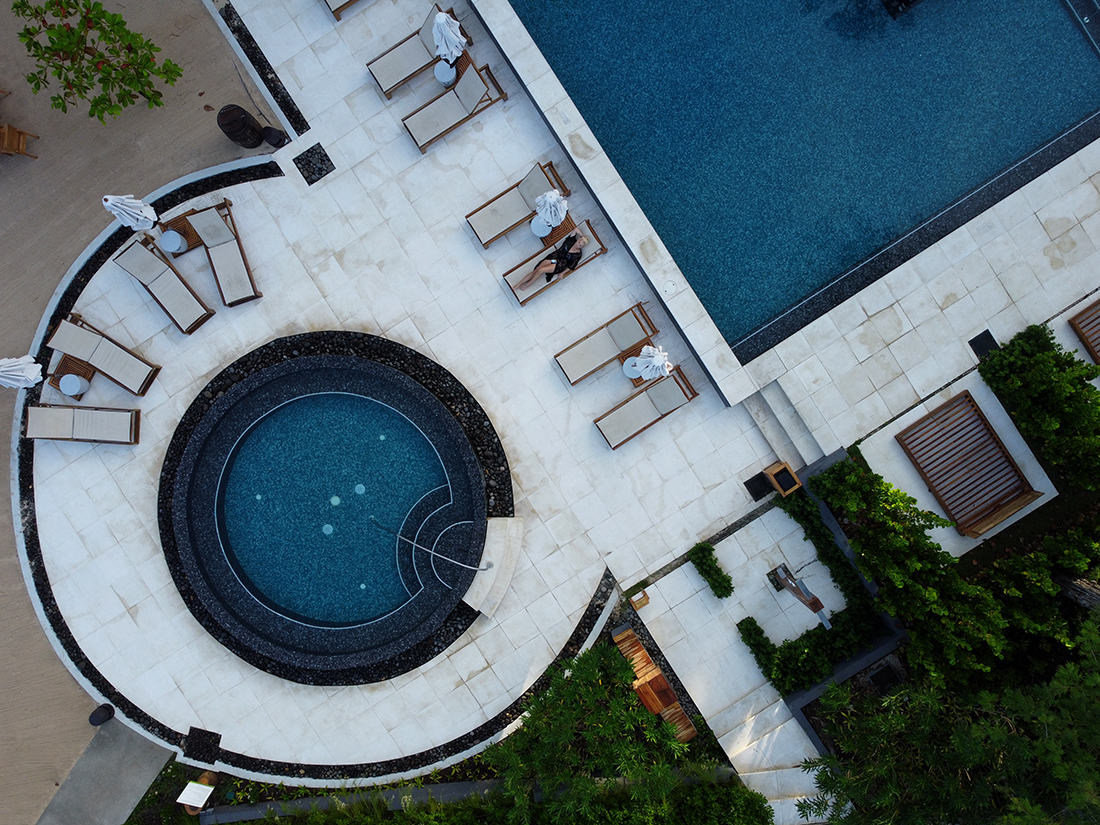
(1086, 324)
(966, 466)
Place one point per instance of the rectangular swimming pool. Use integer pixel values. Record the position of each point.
(775, 146)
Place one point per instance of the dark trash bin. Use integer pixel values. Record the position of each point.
(275, 137)
(240, 126)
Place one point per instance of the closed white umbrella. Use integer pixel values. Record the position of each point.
(653, 362)
(551, 207)
(19, 373)
(130, 211)
(449, 41)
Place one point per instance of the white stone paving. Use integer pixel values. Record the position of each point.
(381, 246)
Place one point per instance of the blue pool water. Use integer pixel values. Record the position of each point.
(775, 144)
(298, 497)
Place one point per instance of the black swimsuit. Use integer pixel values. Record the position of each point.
(563, 259)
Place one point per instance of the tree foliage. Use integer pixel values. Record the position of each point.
(956, 627)
(1047, 392)
(587, 726)
(1026, 755)
(93, 56)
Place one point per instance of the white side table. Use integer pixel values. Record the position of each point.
(445, 74)
(73, 385)
(539, 227)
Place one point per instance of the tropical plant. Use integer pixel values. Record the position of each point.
(93, 55)
(956, 627)
(1048, 393)
(706, 564)
(587, 726)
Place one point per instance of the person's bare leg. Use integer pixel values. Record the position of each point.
(541, 268)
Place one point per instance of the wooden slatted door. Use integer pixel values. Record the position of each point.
(966, 466)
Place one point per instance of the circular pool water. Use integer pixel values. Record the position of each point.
(326, 514)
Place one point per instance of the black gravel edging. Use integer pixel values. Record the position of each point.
(27, 515)
(360, 363)
(482, 733)
(894, 254)
(314, 163)
(264, 69)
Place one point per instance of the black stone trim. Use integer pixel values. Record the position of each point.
(264, 69)
(314, 163)
(28, 517)
(202, 745)
(360, 363)
(604, 591)
(888, 258)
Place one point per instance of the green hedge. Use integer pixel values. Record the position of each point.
(799, 663)
(702, 556)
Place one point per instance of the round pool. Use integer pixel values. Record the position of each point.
(326, 514)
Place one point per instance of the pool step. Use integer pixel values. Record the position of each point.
(503, 542)
(782, 426)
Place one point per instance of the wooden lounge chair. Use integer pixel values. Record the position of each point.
(645, 408)
(623, 335)
(337, 7)
(469, 97)
(401, 63)
(14, 141)
(513, 276)
(144, 260)
(79, 339)
(98, 424)
(515, 205)
(218, 231)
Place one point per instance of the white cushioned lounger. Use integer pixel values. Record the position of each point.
(593, 250)
(124, 367)
(606, 343)
(225, 253)
(95, 424)
(468, 97)
(165, 284)
(511, 207)
(645, 408)
(399, 64)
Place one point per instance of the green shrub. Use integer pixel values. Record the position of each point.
(956, 627)
(702, 556)
(1047, 392)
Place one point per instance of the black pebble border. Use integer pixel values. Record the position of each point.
(435, 379)
(432, 756)
(314, 163)
(759, 341)
(263, 68)
(27, 514)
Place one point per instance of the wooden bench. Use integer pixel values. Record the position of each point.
(1086, 324)
(656, 694)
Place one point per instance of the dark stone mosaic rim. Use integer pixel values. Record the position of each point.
(27, 516)
(279, 649)
(264, 69)
(916, 240)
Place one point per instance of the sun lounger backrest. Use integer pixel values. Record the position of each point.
(123, 366)
(667, 395)
(211, 228)
(141, 263)
(594, 246)
(426, 36)
(75, 341)
(533, 185)
(626, 331)
(102, 425)
(471, 89)
(50, 422)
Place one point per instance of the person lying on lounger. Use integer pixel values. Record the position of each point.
(561, 261)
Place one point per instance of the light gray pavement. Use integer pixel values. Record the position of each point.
(109, 779)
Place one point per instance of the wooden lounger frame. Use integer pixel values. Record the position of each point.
(79, 321)
(966, 466)
(1086, 324)
(416, 33)
(149, 243)
(336, 12)
(639, 310)
(530, 262)
(676, 375)
(227, 216)
(552, 178)
(488, 100)
(135, 424)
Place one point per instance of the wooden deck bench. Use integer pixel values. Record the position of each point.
(656, 694)
(1086, 324)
